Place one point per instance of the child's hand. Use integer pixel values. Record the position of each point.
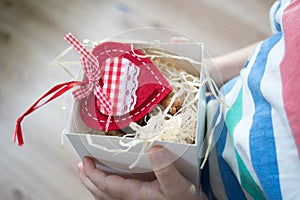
(170, 184)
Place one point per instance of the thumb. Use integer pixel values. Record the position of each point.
(172, 183)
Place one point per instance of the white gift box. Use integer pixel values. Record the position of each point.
(186, 156)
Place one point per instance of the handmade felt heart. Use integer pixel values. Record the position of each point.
(132, 83)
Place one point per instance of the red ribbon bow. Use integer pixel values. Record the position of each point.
(92, 81)
(92, 70)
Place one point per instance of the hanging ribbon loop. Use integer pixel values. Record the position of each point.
(58, 90)
(92, 71)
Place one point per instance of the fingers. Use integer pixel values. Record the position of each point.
(173, 184)
(170, 184)
(85, 180)
(99, 195)
(119, 187)
(112, 185)
(164, 170)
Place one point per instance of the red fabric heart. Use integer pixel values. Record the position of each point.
(152, 88)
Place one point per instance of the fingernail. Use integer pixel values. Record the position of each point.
(79, 166)
(85, 160)
(157, 154)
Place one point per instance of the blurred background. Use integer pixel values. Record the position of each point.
(31, 36)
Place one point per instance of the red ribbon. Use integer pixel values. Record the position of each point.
(58, 90)
(92, 70)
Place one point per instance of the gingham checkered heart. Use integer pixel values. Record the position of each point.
(132, 83)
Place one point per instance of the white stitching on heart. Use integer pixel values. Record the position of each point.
(142, 109)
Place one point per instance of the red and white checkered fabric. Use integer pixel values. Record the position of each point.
(120, 84)
(82, 50)
(92, 70)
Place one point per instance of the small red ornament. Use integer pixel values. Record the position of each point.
(148, 90)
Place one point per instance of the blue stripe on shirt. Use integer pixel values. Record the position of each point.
(262, 142)
(205, 182)
(231, 184)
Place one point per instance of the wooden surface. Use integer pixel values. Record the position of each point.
(31, 35)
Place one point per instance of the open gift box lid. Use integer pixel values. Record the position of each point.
(135, 160)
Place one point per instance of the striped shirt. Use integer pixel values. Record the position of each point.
(257, 155)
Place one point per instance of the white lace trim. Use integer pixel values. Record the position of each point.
(131, 83)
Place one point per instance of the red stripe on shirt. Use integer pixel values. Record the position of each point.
(290, 68)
